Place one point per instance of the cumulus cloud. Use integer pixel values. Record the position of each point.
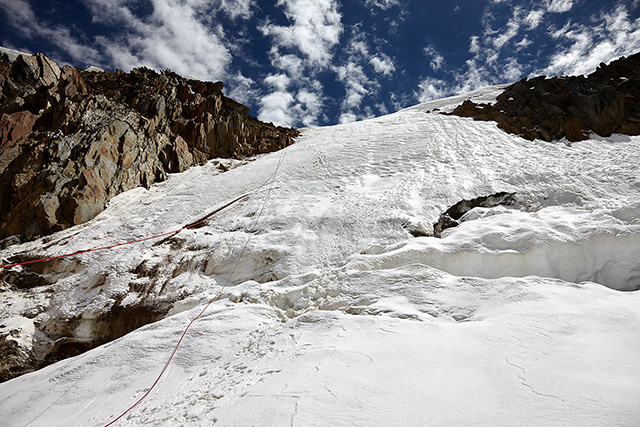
(300, 50)
(560, 6)
(176, 35)
(383, 64)
(347, 117)
(437, 60)
(524, 43)
(512, 29)
(381, 4)
(277, 81)
(431, 88)
(356, 83)
(474, 45)
(512, 70)
(111, 11)
(580, 47)
(353, 74)
(20, 15)
(243, 89)
(22, 19)
(238, 8)
(309, 106)
(533, 19)
(491, 56)
(173, 36)
(474, 75)
(276, 108)
(583, 47)
(315, 29)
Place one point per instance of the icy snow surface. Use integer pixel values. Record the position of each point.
(336, 315)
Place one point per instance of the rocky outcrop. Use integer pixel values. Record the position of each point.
(70, 140)
(605, 102)
(455, 215)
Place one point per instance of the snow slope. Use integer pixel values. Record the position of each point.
(335, 314)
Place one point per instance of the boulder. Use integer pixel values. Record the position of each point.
(37, 70)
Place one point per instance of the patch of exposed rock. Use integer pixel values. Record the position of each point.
(70, 140)
(455, 215)
(605, 102)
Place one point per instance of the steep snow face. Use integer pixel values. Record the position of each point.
(335, 314)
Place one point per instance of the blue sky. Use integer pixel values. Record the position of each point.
(322, 62)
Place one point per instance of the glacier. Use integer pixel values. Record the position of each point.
(325, 310)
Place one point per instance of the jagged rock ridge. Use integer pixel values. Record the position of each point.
(605, 102)
(70, 139)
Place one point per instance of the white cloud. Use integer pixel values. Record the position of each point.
(316, 28)
(474, 77)
(430, 89)
(359, 47)
(533, 19)
(382, 108)
(474, 44)
(309, 107)
(277, 81)
(560, 6)
(20, 15)
(381, 4)
(276, 108)
(238, 8)
(23, 19)
(512, 71)
(176, 35)
(513, 27)
(243, 89)
(383, 65)
(347, 117)
(291, 64)
(437, 60)
(525, 42)
(353, 75)
(113, 11)
(299, 51)
(356, 82)
(584, 46)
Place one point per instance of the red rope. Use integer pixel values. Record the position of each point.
(244, 248)
(223, 211)
(124, 243)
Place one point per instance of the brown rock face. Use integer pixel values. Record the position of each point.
(15, 126)
(605, 102)
(72, 139)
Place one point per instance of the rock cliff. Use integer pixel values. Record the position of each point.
(72, 139)
(605, 102)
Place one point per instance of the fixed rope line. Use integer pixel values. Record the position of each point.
(211, 300)
(231, 205)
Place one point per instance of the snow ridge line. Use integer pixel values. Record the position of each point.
(272, 178)
(231, 205)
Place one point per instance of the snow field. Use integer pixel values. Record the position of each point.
(336, 315)
(424, 348)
